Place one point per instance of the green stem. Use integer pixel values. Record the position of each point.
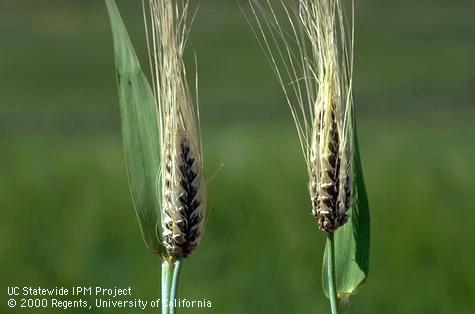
(344, 302)
(167, 272)
(174, 287)
(331, 274)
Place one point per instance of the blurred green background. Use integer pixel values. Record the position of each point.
(67, 217)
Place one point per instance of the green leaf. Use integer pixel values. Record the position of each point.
(352, 241)
(140, 131)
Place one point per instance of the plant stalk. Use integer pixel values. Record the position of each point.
(174, 286)
(331, 274)
(344, 303)
(167, 273)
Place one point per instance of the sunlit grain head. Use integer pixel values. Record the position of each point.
(183, 191)
(311, 52)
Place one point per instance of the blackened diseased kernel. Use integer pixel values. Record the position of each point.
(326, 188)
(186, 231)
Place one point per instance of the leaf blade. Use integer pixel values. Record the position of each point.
(352, 241)
(140, 131)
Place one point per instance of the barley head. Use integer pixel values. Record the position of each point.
(312, 58)
(183, 191)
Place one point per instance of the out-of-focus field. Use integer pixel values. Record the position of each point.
(67, 217)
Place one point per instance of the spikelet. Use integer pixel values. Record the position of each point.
(312, 58)
(183, 191)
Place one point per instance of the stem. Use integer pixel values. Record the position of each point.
(167, 268)
(174, 287)
(344, 302)
(331, 274)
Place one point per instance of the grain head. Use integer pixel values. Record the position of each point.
(183, 191)
(312, 56)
